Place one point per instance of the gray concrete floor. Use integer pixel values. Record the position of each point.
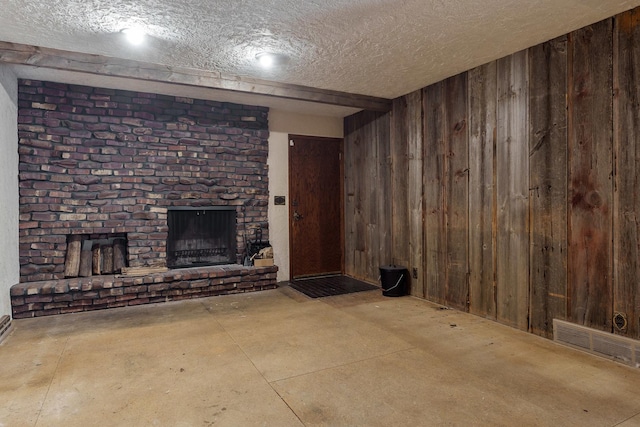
(277, 358)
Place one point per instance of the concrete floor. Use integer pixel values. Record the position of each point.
(277, 358)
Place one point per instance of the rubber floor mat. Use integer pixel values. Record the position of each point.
(319, 287)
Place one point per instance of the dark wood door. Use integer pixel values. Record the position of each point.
(315, 208)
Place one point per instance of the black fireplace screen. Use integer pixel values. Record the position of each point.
(200, 237)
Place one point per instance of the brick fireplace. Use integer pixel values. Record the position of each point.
(109, 164)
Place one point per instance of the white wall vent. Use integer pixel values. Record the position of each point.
(618, 348)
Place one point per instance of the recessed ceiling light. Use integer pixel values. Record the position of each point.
(135, 36)
(270, 59)
(265, 59)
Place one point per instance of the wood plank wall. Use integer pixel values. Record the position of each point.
(368, 207)
(548, 182)
(513, 189)
(626, 215)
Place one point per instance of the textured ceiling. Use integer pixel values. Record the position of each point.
(383, 48)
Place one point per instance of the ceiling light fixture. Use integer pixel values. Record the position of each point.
(265, 59)
(269, 59)
(135, 36)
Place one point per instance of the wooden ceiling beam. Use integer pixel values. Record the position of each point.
(20, 54)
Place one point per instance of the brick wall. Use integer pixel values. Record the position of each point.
(100, 161)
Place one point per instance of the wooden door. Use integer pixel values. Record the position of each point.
(315, 208)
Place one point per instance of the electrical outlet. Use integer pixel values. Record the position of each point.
(415, 273)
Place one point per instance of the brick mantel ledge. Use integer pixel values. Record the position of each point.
(51, 297)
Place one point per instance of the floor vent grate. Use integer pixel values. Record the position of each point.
(5, 327)
(620, 349)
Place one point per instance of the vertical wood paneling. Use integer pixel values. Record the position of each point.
(382, 191)
(548, 175)
(400, 182)
(626, 217)
(383, 209)
(536, 215)
(371, 218)
(590, 176)
(482, 207)
(413, 124)
(456, 157)
(512, 186)
(354, 238)
(367, 184)
(435, 218)
(446, 167)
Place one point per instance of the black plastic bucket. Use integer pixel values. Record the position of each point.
(393, 280)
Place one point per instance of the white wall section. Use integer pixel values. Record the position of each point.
(9, 261)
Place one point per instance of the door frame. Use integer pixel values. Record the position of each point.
(291, 138)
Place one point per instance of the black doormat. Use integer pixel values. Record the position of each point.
(328, 286)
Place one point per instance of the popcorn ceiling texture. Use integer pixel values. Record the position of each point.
(383, 48)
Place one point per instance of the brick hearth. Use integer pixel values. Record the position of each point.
(52, 297)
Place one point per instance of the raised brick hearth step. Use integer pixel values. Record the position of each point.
(99, 292)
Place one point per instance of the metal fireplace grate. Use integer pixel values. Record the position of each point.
(201, 253)
(201, 236)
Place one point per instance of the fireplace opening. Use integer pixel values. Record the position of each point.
(201, 236)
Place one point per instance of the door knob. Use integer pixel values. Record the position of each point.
(297, 216)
